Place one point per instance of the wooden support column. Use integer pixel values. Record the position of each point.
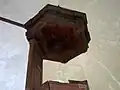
(35, 66)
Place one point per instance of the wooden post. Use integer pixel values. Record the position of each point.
(35, 66)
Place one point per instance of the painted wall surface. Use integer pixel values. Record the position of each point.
(13, 57)
(100, 65)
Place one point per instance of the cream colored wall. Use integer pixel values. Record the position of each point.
(100, 65)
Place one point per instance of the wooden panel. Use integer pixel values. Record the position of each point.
(53, 85)
(67, 86)
(36, 76)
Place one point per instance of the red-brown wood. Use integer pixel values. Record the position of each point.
(62, 34)
(35, 64)
(53, 85)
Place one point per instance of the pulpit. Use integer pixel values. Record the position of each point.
(56, 34)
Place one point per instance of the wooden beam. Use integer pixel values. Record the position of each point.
(12, 22)
(35, 66)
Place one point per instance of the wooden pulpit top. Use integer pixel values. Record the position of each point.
(62, 34)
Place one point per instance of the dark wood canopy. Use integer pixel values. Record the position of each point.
(61, 33)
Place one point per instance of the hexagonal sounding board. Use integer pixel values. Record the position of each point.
(55, 34)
